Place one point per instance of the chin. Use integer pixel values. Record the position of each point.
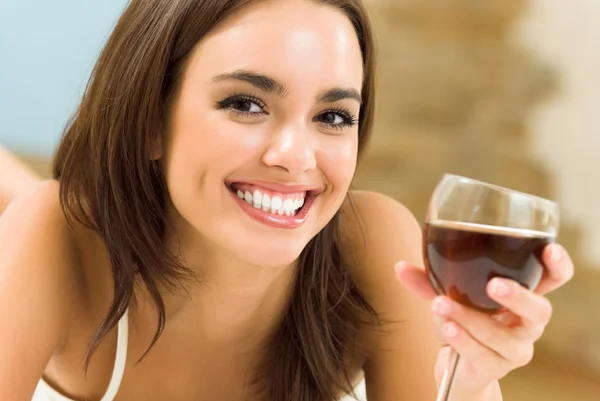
(273, 260)
(270, 252)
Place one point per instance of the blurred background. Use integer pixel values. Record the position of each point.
(505, 91)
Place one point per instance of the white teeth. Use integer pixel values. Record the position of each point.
(288, 207)
(276, 204)
(266, 202)
(257, 199)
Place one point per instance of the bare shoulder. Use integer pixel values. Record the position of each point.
(34, 222)
(37, 287)
(17, 178)
(36, 213)
(378, 232)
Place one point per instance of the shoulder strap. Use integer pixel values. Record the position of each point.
(120, 358)
(118, 369)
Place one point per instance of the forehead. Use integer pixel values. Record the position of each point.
(301, 42)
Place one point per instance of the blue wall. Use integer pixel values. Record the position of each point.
(47, 51)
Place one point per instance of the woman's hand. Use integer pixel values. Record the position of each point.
(491, 347)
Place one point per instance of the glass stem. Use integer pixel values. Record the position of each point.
(448, 378)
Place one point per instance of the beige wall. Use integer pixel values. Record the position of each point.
(566, 129)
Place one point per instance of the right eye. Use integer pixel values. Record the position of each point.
(244, 105)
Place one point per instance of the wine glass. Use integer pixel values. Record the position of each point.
(475, 231)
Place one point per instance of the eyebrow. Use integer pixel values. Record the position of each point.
(271, 85)
(335, 94)
(260, 81)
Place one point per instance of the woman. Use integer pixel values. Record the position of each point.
(198, 240)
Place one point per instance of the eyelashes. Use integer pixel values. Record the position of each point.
(348, 120)
(250, 107)
(242, 104)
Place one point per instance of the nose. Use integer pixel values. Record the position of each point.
(292, 148)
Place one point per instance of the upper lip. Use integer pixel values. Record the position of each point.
(279, 187)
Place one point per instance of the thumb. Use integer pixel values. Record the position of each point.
(415, 280)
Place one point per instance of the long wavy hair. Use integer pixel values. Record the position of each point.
(109, 184)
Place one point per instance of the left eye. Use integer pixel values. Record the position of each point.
(332, 118)
(246, 106)
(337, 119)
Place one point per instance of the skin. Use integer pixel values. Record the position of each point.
(55, 279)
(15, 179)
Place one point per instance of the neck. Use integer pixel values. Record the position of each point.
(232, 300)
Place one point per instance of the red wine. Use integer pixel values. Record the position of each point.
(461, 258)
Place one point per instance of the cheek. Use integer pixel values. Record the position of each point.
(208, 140)
(338, 160)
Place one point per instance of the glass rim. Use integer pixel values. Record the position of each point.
(501, 188)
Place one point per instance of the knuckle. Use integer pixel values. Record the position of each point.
(546, 310)
(569, 272)
(537, 332)
(525, 356)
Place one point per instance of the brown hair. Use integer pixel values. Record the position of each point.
(109, 184)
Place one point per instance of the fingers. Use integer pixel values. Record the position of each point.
(491, 346)
(484, 358)
(474, 353)
(534, 310)
(482, 332)
(415, 280)
(558, 270)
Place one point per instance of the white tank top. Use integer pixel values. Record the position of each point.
(44, 392)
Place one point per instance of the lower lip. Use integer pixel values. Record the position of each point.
(275, 220)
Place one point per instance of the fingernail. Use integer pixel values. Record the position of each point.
(555, 253)
(500, 288)
(441, 306)
(450, 330)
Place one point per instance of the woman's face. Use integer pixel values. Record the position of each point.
(262, 142)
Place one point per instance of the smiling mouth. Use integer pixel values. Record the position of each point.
(286, 208)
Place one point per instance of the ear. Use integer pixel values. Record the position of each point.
(156, 148)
